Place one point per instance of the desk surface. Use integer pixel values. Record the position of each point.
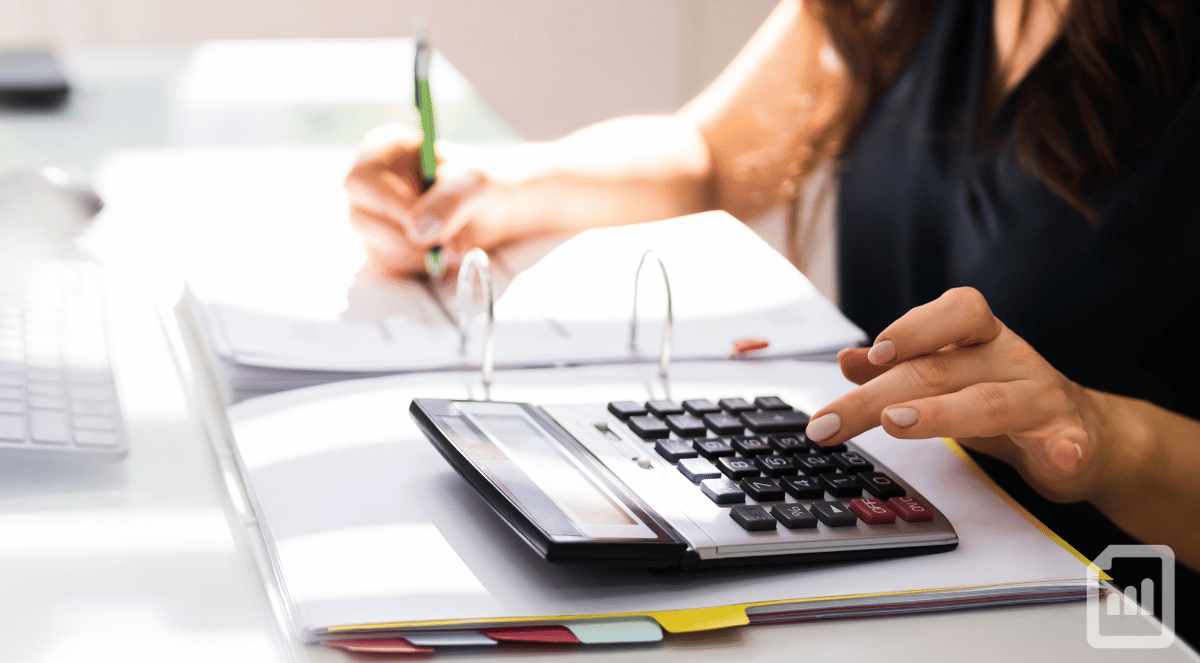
(145, 559)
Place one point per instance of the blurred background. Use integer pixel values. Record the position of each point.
(545, 66)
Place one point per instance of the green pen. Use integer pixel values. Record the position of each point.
(424, 103)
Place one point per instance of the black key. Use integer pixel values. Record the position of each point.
(881, 485)
(752, 517)
(840, 485)
(803, 488)
(674, 450)
(723, 491)
(664, 408)
(722, 423)
(686, 425)
(698, 469)
(816, 448)
(789, 444)
(814, 464)
(735, 405)
(794, 516)
(834, 514)
(762, 489)
(736, 468)
(712, 448)
(751, 446)
(771, 403)
(775, 421)
(776, 466)
(701, 406)
(649, 427)
(626, 409)
(851, 462)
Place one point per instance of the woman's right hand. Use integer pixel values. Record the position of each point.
(466, 208)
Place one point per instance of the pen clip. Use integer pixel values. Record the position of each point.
(664, 357)
(476, 262)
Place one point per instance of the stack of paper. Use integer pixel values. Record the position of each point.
(573, 307)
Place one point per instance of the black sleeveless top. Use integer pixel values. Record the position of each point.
(1115, 306)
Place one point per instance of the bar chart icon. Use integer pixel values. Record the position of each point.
(1137, 600)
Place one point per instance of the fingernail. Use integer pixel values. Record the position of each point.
(902, 416)
(881, 353)
(823, 427)
(428, 227)
(1067, 455)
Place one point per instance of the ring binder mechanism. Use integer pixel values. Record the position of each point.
(664, 356)
(476, 262)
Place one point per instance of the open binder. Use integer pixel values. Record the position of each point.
(370, 542)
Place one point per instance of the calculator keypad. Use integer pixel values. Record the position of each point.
(791, 480)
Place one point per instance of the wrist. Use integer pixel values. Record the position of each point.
(1129, 451)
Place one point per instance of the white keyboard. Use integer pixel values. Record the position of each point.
(57, 396)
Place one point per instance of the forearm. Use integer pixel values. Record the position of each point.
(1154, 478)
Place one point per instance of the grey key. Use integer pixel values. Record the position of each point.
(12, 393)
(94, 423)
(775, 421)
(48, 427)
(701, 406)
(794, 516)
(47, 402)
(722, 491)
(674, 450)
(10, 380)
(95, 438)
(11, 407)
(698, 469)
(91, 393)
(834, 514)
(46, 388)
(752, 518)
(93, 408)
(12, 427)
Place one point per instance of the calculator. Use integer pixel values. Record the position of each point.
(682, 485)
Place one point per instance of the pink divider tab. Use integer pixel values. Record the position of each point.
(378, 646)
(532, 634)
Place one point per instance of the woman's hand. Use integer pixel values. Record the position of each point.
(949, 368)
(466, 208)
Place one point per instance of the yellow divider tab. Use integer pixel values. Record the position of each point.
(701, 619)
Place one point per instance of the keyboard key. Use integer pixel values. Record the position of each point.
(794, 516)
(46, 388)
(775, 421)
(48, 427)
(722, 423)
(712, 448)
(12, 407)
(834, 514)
(11, 380)
(722, 491)
(736, 468)
(803, 488)
(840, 485)
(94, 423)
(911, 509)
(664, 408)
(881, 485)
(93, 408)
(872, 512)
(698, 469)
(851, 462)
(762, 489)
(816, 448)
(686, 425)
(91, 393)
(674, 450)
(735, 405)
(751, 446)
(626, 409)
(789, 444)
(14, 393)
(12, 427)
(752, 517)
(776, 466)
(814, 464)
(701, 406)
(95, 438)
(771, 403)
(47, 402)
(48, 375)
(649, 427)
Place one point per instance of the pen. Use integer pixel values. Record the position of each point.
(424, 103)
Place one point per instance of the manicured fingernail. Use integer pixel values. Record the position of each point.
(1066, 455)
(428, 227)
(823, 427)
(881, 353)
(902, 416)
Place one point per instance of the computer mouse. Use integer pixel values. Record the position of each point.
(59, 200)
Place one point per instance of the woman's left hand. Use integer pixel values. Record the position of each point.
(950, 368)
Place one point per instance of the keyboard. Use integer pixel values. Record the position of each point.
(730, 481)
(57, 395)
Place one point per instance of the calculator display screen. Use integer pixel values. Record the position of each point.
(569, 488)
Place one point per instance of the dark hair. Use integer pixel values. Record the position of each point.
(1097, 99)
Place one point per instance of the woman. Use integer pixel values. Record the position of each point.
(1018, 226)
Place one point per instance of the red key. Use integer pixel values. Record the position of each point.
(871, 511)
(911, 509)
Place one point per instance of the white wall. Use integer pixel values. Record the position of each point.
(547, 66)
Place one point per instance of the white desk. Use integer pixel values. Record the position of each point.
(145, 559)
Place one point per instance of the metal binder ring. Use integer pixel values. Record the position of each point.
(664, 357)
(477, 262)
